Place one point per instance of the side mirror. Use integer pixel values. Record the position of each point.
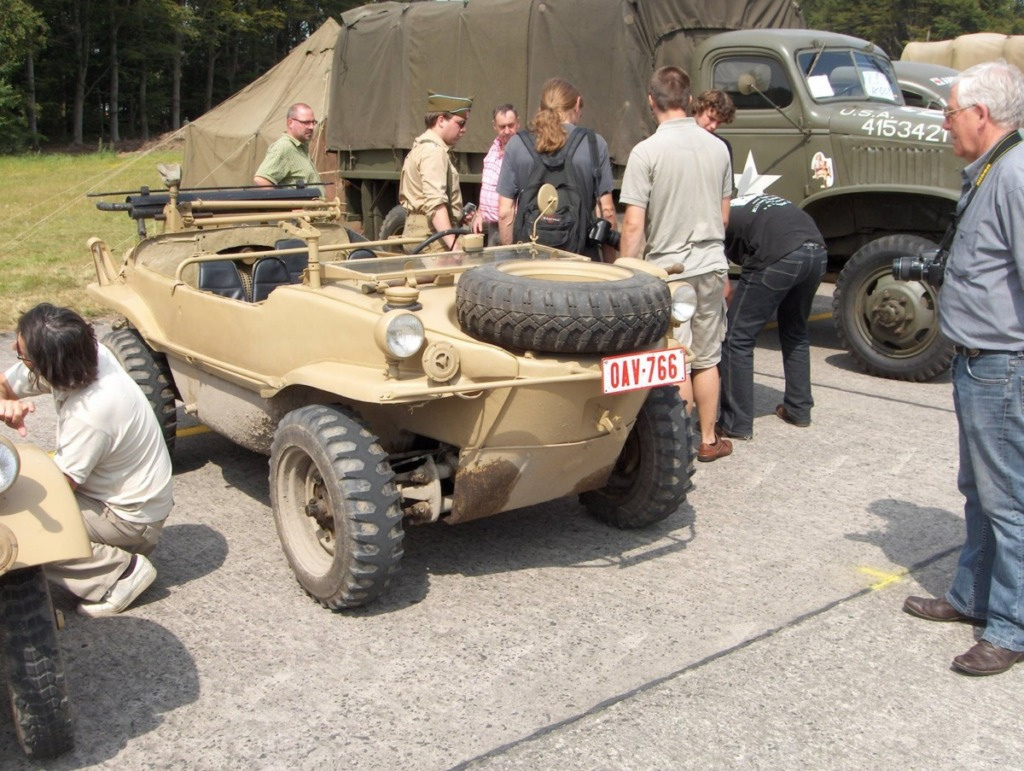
(547, 202)
(747, 84)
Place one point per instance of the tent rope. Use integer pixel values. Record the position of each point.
(76, 196)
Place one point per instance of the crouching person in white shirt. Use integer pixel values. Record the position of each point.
(109, 446)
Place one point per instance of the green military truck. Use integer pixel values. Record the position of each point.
(820, 120)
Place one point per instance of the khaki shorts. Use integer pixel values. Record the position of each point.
(704, 333)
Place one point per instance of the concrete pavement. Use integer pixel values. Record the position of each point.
(760, 626)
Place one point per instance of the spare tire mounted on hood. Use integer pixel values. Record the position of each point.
(555, 306)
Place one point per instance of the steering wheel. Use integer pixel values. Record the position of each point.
(451, 231)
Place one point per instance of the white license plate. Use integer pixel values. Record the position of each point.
(643, 370)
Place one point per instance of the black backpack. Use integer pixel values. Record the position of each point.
(567, 227)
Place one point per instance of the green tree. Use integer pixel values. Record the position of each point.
(22, 30)
(81, 70)
(891, 24)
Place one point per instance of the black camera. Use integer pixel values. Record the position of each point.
(602, 232)
(928, 267)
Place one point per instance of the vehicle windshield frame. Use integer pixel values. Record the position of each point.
(847, 74)
(384, 265)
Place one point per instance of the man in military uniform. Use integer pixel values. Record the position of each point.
(429, 190)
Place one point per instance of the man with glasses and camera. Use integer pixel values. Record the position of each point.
(287, 161)
(981, 309)
(429, 187)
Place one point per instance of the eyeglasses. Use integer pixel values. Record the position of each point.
(23, 358)
(948, 113)
(460, 121)
(306, 122)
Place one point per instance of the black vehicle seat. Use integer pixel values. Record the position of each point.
(222, 277)
(267, 275)
(295, 263)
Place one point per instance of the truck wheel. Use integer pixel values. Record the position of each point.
(150, 370)
(890, 327)
(393, 224)
(559, 306)
(33, 664)
(335, 505)
(652, 474)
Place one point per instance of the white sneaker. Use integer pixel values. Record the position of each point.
(124, 592)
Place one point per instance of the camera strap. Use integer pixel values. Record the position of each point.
(1000, 150)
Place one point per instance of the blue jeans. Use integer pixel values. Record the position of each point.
(787, 286)
(988, 391)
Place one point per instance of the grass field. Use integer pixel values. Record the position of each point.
(46, 219)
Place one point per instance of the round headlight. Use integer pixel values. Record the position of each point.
(10, 464)
(399, 334)
(684, 302)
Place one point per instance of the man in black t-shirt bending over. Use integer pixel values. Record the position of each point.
(783, 257)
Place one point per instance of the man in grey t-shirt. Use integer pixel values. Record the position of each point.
(676, 189)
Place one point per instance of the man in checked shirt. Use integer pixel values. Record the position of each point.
(506, 124)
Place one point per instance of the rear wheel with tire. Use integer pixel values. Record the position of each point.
(890, 327)
(150, 370)
(33, 665)
(652, 474)
(335, 505)
(557, 306)
(393, 224)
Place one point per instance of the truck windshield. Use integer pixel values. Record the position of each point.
(845, 75)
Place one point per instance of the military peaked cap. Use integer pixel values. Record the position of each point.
(450, 104)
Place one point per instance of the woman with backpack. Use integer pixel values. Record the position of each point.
(574, 160)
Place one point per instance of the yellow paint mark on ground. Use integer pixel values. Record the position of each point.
(884, 578)
(192, 431)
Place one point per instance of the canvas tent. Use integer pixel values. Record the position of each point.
(224, 146)
(967, 50)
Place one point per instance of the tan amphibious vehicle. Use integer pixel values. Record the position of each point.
(390, 385)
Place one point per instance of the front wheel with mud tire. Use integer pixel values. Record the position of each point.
(335, 505)
(890, 327)
(33, 665)
(652, 474)
(151, 372)
(557, 306)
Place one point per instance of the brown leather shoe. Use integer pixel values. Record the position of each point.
(783, 413)
(709, 452)
(935, 610)
(986, 659)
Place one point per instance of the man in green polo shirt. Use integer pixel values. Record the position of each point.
(287, 161)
